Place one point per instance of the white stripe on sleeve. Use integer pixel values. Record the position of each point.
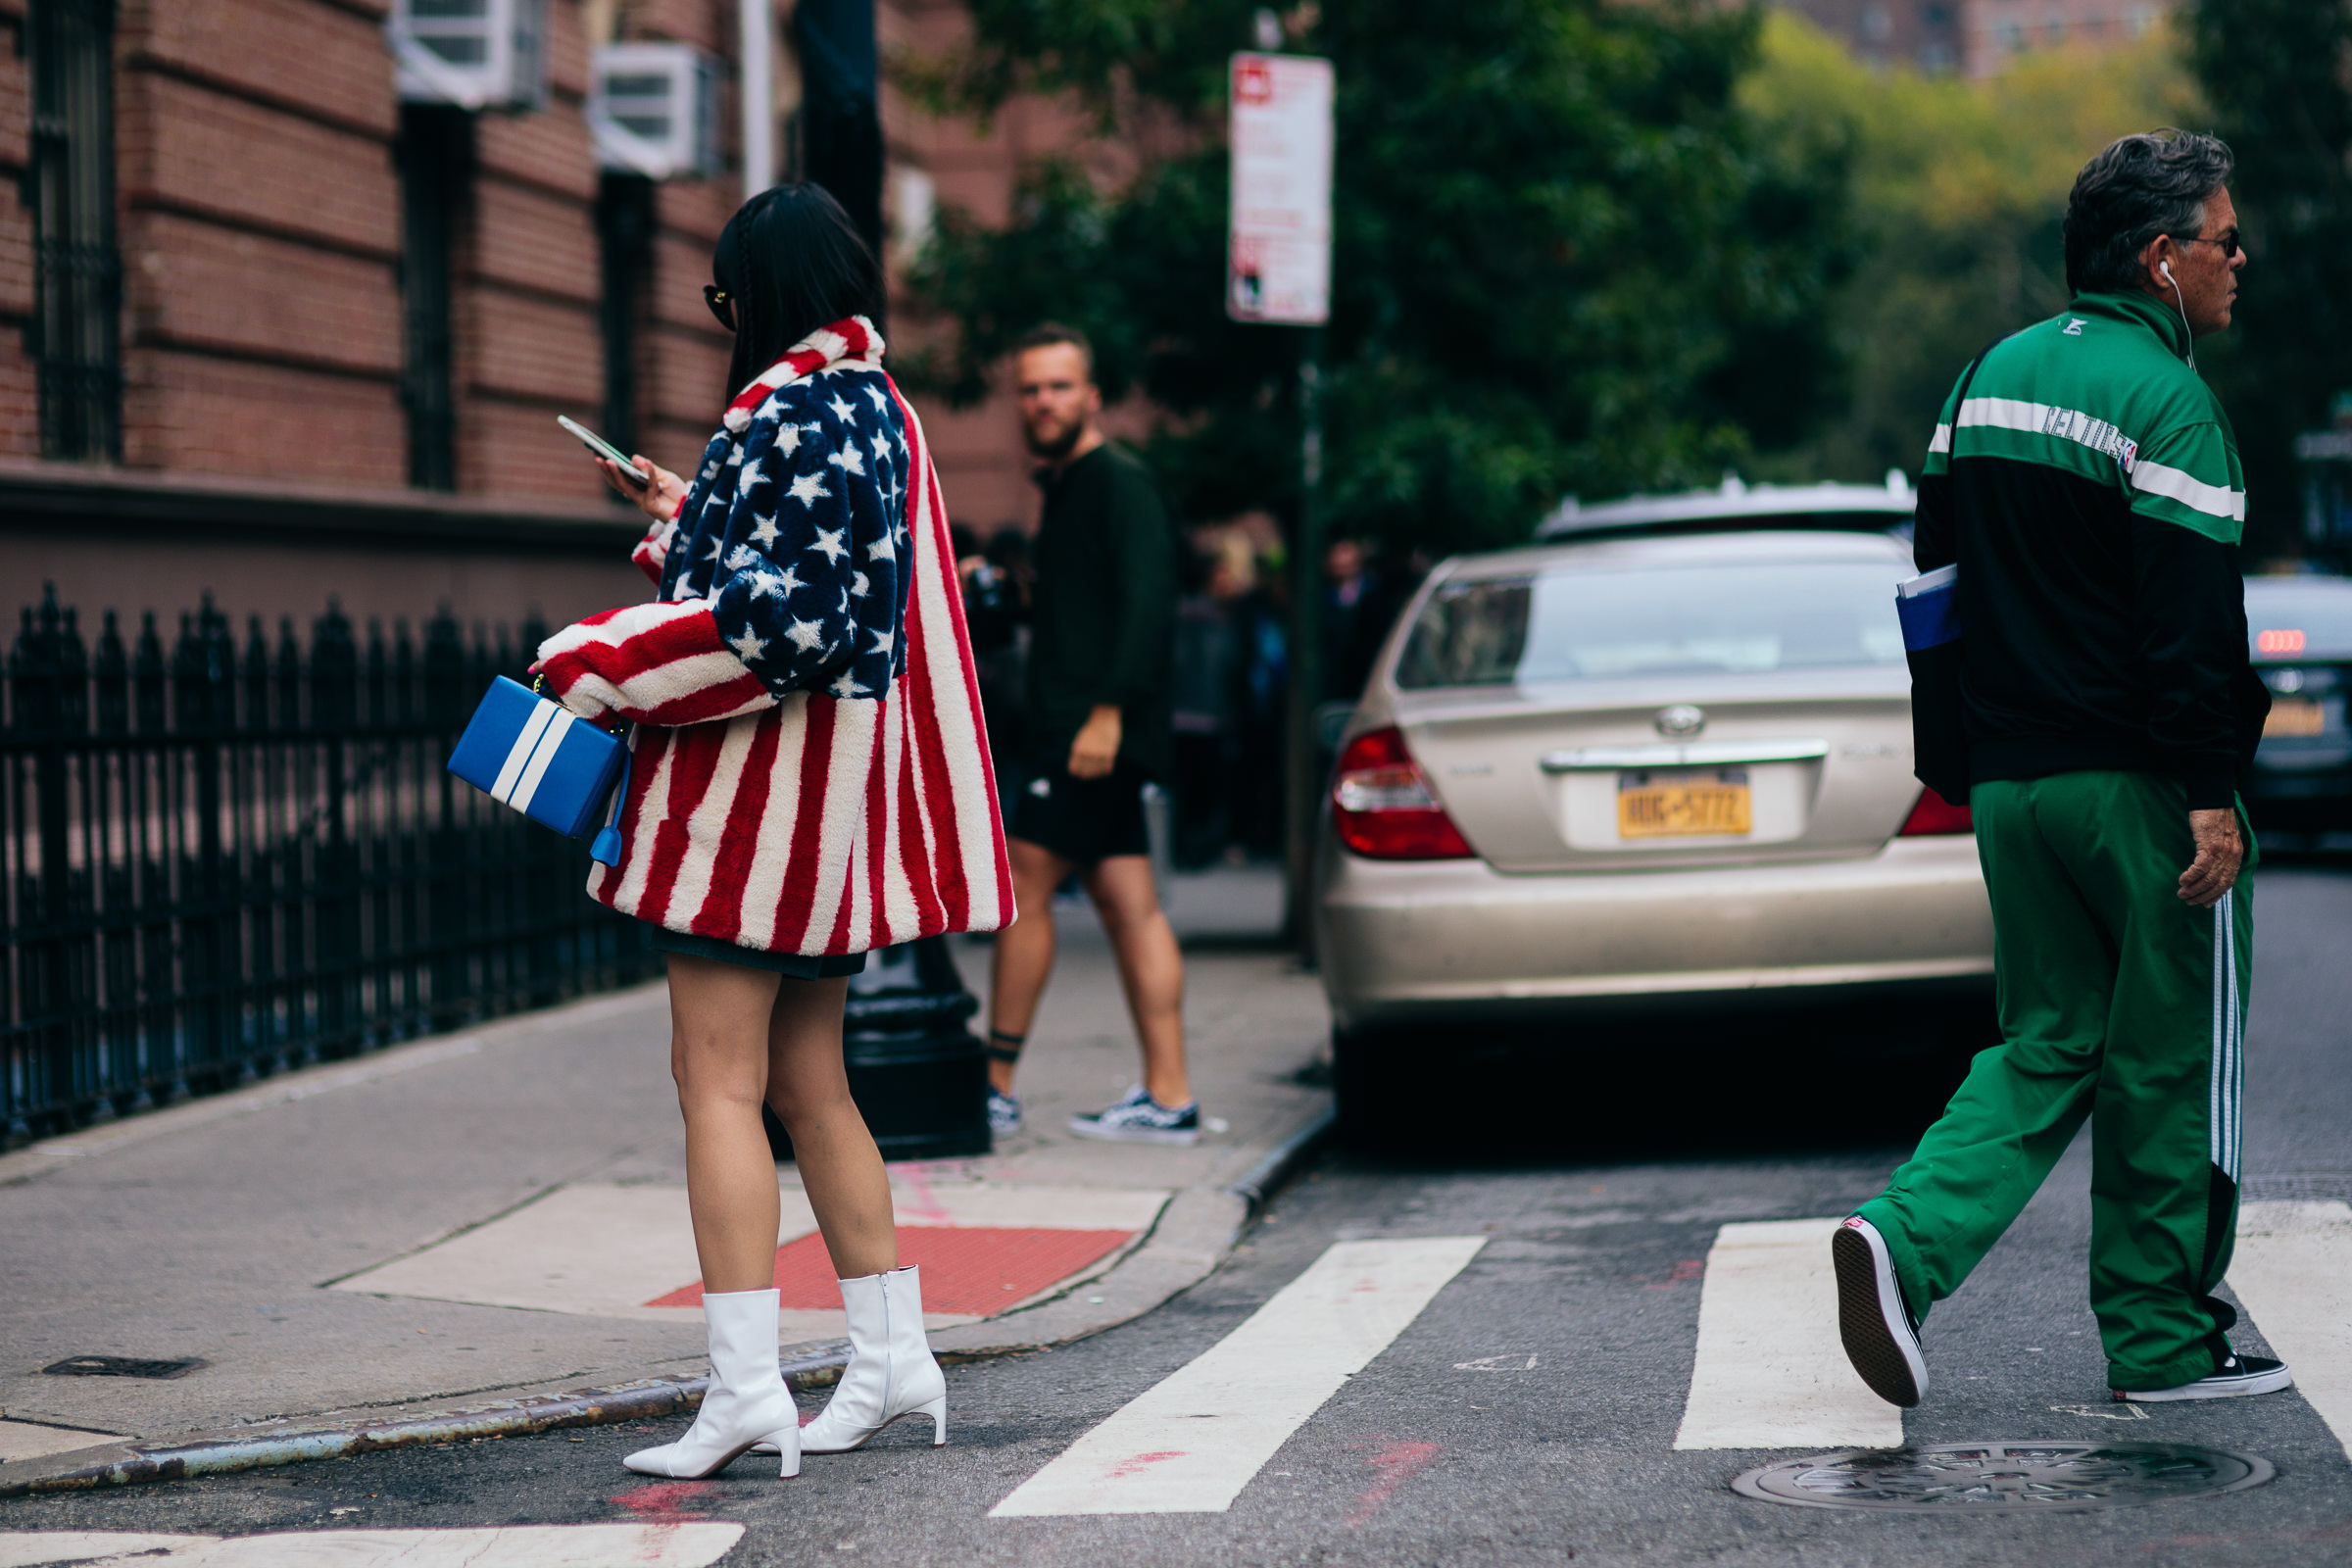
(2215, 500)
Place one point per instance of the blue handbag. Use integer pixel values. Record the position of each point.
(537, 755)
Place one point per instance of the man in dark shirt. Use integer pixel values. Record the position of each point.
(1101, 703)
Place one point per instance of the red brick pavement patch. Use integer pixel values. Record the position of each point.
(967, 1269)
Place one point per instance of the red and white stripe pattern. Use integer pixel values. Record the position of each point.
(810, 825)
(653, 551)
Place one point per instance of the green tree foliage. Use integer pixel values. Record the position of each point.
(1958, 189)
(1567, 260)
(2279, 76)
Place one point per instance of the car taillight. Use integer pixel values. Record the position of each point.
(1935, 815)
(1383, 806)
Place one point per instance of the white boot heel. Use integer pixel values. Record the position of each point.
(748, 1405)
(891, 1371)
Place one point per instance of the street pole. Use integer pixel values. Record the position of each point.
(1278, 272)
(757, 43)
(1303, 753)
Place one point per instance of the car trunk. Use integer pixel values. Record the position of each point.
(1792, 766)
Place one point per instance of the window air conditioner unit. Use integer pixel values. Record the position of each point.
(652, 109)
(473, 54)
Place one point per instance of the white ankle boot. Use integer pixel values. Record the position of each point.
(747, 1404)
(891, 1372)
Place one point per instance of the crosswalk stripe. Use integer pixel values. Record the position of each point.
(1190, 1444)
(660, 1544)
(2293, 1271)
(1770, 1371)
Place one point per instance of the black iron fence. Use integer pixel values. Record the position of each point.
(218, 860)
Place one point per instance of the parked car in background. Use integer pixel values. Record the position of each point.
(1659, 761)
(2301, 632)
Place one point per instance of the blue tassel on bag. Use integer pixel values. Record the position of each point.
(605, 851)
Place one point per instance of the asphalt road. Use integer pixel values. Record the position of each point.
(1582, 1304)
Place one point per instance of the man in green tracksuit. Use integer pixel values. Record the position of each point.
(2085, 483)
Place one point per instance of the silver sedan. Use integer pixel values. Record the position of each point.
(1644, 770)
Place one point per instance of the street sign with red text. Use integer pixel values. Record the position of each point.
(1278, 242)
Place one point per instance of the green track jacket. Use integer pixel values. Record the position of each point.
(2090, 489)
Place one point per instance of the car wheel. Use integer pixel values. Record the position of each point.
(1368, 1082)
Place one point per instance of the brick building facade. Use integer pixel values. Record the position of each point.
(1975, 38)
(237, 318)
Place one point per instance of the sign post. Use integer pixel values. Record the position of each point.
(1278, 272)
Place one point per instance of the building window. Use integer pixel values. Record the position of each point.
(75, 336)
(436, 158)
(624, 231)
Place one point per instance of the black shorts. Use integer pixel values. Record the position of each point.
(1084, 819)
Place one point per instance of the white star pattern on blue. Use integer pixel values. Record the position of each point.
(784, 581)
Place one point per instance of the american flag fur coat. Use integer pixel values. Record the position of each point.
(811, 769)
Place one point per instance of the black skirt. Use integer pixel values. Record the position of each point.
(799, 967)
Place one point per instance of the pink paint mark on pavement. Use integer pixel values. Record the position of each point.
(925, 1209)
(1135, 1465)
(1688, 1269)
(1394, 1464)
(666, 1502)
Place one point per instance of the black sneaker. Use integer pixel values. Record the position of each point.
(1882, 1339)
(2236, 1374)
(1141, 1119)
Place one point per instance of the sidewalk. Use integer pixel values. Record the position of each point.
(500, 1212)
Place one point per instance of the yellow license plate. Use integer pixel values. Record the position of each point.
(2295, 716)
(1652, 808)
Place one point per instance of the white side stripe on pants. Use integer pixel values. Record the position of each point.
(2224, 1133)
(1193, 1442)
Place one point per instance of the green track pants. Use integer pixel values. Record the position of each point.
(2118, 1002)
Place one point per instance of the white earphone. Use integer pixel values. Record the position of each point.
(2166, 267)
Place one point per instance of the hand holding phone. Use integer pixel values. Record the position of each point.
(629, 472)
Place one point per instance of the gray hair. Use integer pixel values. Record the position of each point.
(2138, 189)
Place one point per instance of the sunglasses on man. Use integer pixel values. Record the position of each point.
(2228, 242)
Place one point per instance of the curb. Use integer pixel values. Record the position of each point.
(1284, 1161)
(641, 1399)
(1192, 1235)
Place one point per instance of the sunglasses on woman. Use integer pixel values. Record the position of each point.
(721, 303)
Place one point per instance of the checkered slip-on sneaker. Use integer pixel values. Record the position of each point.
(2236, 1374)
(1881, 1339)
(1004, 1113)
(1141, 1119)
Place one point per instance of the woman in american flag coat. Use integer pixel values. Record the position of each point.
(810, 781)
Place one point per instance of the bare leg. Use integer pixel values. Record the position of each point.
(841, 1169)
(1151, 970)
(719, 1034)
(1024, 952)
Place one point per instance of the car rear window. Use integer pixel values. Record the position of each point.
(1568, 625)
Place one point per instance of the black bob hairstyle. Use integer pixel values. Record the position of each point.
(791, 261)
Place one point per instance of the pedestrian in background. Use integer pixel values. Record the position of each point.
(1358, 609)
(2085, 483)
(799, 581)
(1097, 719)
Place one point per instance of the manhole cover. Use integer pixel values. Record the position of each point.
(2032, 1476)
(122, 1366)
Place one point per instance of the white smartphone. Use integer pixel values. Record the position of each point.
(604, 449)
